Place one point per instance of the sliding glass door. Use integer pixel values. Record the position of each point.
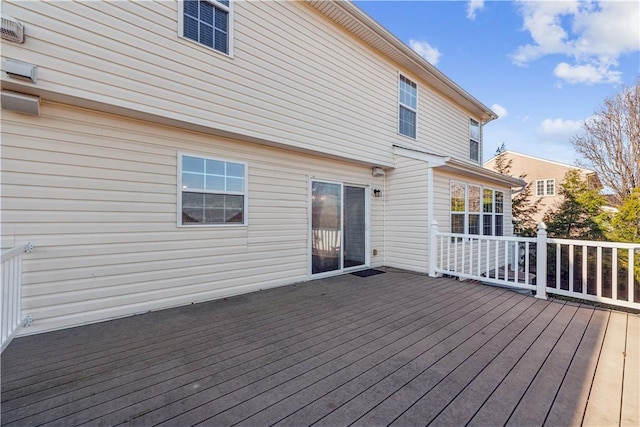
(339, 236)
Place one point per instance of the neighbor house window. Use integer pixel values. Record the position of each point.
(476, 210)
(212, 191)
(408, 108)
(546, 187)
(474, 140)
(207, 22)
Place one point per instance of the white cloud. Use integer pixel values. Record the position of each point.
(560, 127)
(587, 73)
(472, 7)
(594, 34)
(425, 50)
(499, 110)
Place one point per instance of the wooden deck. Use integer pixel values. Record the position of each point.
(391, 349)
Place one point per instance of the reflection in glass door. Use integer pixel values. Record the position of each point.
(354, 227)
(338, 227)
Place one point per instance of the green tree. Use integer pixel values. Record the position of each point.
(523, 207)
(625, 224)
(580, 214)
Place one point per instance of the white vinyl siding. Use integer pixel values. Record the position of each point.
(291, 65)
(99, 203)
(406, 224)
(296, 72)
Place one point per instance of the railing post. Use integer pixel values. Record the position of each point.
(433, 248)
(541, 261)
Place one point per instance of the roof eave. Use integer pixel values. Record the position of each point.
(353, 19)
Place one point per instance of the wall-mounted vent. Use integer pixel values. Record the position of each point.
(12, 29)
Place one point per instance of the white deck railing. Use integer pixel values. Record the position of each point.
(11, 296)
(604, 272)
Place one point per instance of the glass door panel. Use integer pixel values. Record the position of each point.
(326, 227)
(354, 253)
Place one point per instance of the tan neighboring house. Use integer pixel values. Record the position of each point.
(161, 153)
(545, 176)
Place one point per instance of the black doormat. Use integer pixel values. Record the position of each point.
(367, 273)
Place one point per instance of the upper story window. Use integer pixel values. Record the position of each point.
(207, 22)
(474, 140)
(546, 187)
(408, 107)
(211, 191)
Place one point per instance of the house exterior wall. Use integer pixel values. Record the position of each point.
(97, 194)
(406, 215)
(539, 169)
(290, 64)
(92, 181)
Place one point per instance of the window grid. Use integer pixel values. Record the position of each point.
(408, 107)
(546, 187)
(212, 191)
(207, 22)
(476, 210)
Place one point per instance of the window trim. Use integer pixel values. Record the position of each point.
(408, 107)
(230, 26)
(545, 187)
(245, 193)
(476, 141)
(481, 213)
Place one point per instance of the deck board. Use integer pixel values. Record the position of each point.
(397, 348)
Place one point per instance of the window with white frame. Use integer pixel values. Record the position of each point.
(546, 187)
(474, 140)
(408, 107)
(207, 22)
(476, 209)
(212, 191)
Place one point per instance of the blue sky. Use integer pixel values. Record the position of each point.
(543, 66)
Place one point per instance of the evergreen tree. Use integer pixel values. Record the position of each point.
(580, 214)
(625, 224)
(523, 207)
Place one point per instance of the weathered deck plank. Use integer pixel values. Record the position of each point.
(605, 399)
(397, 348)
(631, 386)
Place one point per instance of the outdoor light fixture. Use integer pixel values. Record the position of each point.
(377, 192)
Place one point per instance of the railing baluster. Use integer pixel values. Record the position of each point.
(571, 261)
(527, 254)
(584, 270)
(630, 284)
(496, 264)
(462, 253)
(558, 265)
(614, 273)
(599, 271)
(11, 293)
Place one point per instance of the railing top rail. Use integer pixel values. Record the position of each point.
(10, 253)
(595, 243)
(482, 237)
